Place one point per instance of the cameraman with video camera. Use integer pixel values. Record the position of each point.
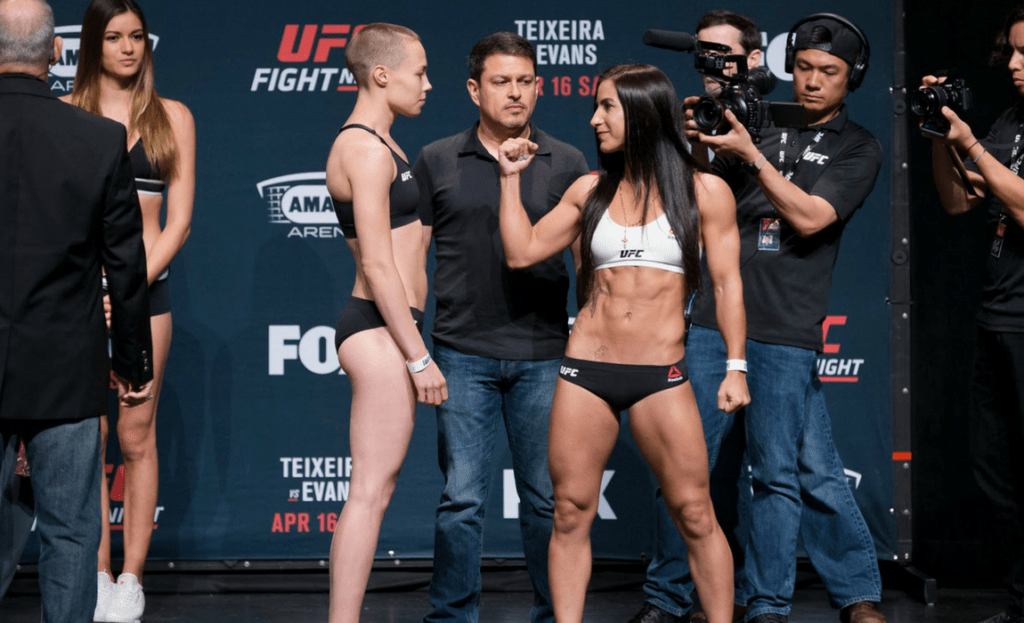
(795, 192)
(997, 414)
(669, 586)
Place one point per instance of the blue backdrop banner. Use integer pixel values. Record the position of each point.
(253, 421)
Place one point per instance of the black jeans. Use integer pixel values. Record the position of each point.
(997, 444)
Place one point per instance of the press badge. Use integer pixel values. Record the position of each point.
(770, 236)
(997, 242)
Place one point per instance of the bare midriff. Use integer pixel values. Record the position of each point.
(634, 316)
(410, 260)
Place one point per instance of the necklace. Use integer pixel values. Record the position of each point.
(626, 224)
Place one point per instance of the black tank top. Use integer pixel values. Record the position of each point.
(149, 180)
(404, 194)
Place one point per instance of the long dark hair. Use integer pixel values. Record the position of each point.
(654, 154)
(147, 114)
(1002, 50)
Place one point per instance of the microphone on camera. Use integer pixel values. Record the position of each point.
(670, 40)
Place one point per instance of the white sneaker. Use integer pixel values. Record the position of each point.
(127, 601)
(104, 589)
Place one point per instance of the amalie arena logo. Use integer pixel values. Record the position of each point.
(62, 75)
(301, 203)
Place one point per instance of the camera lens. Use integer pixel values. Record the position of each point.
(928, 102)
(708, 114)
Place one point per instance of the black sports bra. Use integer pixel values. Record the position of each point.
(148, 179)
(404, 194)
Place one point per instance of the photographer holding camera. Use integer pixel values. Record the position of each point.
(997, 413)
(795, 192)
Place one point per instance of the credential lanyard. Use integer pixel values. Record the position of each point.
(782, 153)
(1017, 161)
(996, 250)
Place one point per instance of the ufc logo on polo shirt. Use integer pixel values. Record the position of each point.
(817, 158)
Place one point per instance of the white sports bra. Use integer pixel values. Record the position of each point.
(652, 245)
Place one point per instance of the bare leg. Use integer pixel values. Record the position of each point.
(583, 434)
(136, 434)
(382, 416)
(104, 553)
(667, 429)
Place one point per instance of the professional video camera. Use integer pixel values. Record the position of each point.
(742, 90)
(928, 103)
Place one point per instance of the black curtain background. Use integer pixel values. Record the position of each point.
(953, 540)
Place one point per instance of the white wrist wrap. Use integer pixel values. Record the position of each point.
(419, 365)
(736, 364)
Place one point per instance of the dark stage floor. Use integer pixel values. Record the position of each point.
(954, 606)
(272, 593)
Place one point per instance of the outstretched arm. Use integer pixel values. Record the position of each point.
(721, 241)
(525, 243)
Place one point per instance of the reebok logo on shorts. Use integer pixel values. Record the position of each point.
(674, 374)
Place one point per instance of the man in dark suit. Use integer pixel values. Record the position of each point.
(68, 211)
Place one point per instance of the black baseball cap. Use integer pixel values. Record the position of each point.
(844, 42)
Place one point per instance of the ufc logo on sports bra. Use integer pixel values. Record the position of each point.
(627, 253)
(569, 371)
(407, 176)
(813, 157)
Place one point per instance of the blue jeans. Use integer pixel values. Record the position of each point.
(481, 393)
(798, 482)
(799, 488)
(669, 584)
(64, 460)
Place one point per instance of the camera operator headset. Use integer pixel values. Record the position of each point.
(795, 192)
(821, 86)
(858, 67)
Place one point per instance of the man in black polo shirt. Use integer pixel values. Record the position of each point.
(795, 192)
(498, 334)
(997, 441)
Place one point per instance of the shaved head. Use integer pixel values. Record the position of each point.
(26, 33)
(376, 44)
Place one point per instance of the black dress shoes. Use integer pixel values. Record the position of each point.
(653, 614)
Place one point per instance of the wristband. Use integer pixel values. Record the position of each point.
(740, 365)
(972, 145)
(983, 152)
(755, 167)
(419, 365)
